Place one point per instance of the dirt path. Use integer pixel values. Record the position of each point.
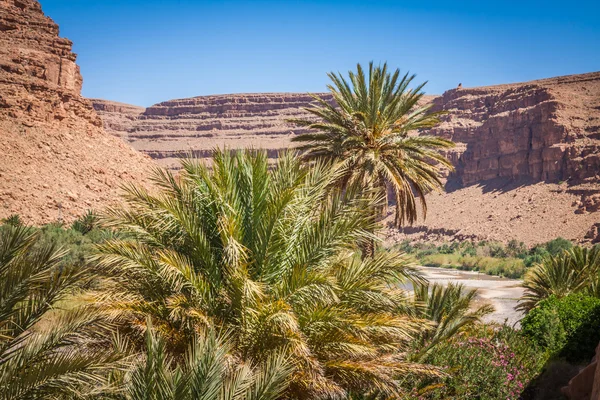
(500, 292)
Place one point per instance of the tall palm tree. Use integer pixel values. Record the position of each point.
(452, 308)
(208, 372)
(372, 129)
(270, 255)
(574, 270)
(46, 352)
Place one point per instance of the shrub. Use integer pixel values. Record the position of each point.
(536, 256)
(567, 327)
(486, 363)
(13, 220)
(497, 250)
(557, 246)
(516, 249)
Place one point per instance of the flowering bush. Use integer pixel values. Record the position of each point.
(487, 363)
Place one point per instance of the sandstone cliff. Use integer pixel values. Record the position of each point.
(527, 157)
(172, 129)
(56, 159)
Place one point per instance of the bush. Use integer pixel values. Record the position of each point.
(487, 363)
(506, 267)
(557, 246)
(566, 327)
(516, 249)
(77, 245)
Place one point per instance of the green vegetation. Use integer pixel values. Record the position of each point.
(487, 362)
(493, 258)
(207, 373)
(250, 281)
(573, 271)
(270, 255)
(453, 310)
(565, 326)
(368, 133)
(46, 351)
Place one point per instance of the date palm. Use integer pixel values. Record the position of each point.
(452, 308)
(45, 352)
(372, 128)
(208, 372)
(574, 270)
(268, 254)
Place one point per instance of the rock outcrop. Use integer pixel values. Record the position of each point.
(547, 130)
(530, 152)
(172, 129)
(586, 384)
(56, 159)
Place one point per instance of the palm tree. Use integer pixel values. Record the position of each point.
(208, 372)
(269, 254)
(574, 270)
(371, 129)
(452, 308)
(45, 352)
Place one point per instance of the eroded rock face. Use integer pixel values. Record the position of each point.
(172, 129)
(546, 130)
(56, 159)
(527, 156)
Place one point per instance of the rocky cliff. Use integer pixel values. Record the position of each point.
(56, 159)
(172, 129)
(527, 157)
(546, 130)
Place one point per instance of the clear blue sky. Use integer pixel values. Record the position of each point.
(146, 51)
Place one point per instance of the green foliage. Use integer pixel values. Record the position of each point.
(271, 255)
(368, 132)
(516, 249)
(86, 223)
(45, 352)
(13, 220)
(452, 308)
(492, 258)
(484, 363)
(557, 246)
(505, 267)
(573, 271)
(566, 326)
(208, 372)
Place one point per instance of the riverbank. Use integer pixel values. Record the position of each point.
(502, 293)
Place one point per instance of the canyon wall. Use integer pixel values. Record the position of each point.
(527, 157)
(172, 129)
(546, 130)
(56, 159)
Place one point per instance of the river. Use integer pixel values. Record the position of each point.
(502, 293)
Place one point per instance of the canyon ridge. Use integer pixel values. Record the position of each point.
(527, 157)
(57, 161)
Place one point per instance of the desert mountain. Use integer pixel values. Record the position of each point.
(56, 160)
(527, 157)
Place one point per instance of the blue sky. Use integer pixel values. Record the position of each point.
(146, 51)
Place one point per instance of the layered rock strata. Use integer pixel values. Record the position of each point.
(547, 130)
(173, 129)
(528, 154)
(56, 159)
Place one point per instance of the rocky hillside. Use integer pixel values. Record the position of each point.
(172, 129)
(527, 157)
(57, 161)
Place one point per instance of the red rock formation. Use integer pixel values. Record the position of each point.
(509, 138)
(56, 159)
(172, 129)
(544, 130)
